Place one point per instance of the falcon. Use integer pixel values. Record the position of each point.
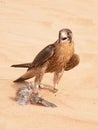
(54, 58)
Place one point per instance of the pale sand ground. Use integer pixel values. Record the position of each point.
(25, 28)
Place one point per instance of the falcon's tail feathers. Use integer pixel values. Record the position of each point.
(19, 80)
(29, 74)
(25, 65)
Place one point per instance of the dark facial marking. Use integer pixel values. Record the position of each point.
(64, 38)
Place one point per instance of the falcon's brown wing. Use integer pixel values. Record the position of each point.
(43, 56)
(74, 61)
(39, 60)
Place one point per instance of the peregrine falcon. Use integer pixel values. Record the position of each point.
(54, 58)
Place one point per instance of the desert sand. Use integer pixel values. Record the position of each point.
(25, 28)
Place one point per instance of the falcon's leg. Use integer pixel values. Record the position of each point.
(57, 77)
(37, 81)
(39, 76)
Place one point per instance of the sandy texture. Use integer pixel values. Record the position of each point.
(26, 26)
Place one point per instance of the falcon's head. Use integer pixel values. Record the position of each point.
(65, 35)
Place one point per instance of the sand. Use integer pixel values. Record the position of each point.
(25, 28)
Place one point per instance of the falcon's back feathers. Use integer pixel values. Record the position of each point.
(43, 56)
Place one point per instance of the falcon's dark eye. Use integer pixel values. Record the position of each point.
(64, 38)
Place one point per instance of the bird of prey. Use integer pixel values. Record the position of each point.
(57, 58)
